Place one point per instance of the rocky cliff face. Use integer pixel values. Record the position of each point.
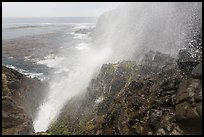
(20, 99)
(161, 102)
(154, 97)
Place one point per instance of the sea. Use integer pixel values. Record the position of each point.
(38, 47)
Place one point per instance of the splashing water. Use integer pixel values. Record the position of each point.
(125, 33)
(63, 88)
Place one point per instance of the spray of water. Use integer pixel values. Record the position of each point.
(132, 29)
(124, 33)
(65, 87)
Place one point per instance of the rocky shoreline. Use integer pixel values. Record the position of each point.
(20, 98)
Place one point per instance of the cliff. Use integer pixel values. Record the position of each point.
(155, 97)
(20, 98)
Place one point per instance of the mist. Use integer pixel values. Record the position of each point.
(125, 33)
(132, 29)
(63, 88)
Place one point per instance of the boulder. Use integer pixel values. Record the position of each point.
(197, 71)
(186, 62)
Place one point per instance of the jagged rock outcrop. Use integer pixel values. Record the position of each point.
(145, 105)
(127, 98)
(20, 98)
(189, 97)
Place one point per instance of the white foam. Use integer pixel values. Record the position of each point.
(51, 61)
(84, 25)
(60, 70)
(82, 46)
(27, 73)
(81, 36)
(11, 66)
(27, 58)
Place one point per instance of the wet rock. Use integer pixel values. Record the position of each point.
(137, 100)
(168, 126)
(199, 108)
(142, 111)
(197, 71)
(187, 89)
(156, 63)
(161, 131)
(138, 129)
(176, 132)
(169, 92)
(131, 122)
(186, 61)
(19, 102)
(198, 95)
(135, 85)
(15, 121)
(185, 56)
(99, 132)
(149, 133)
(182, 97)
(192, 113)
(14, 85)
(154, 119)
(166, 101)
(156, 104)
(181, 110)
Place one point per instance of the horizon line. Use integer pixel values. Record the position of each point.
(58, 17)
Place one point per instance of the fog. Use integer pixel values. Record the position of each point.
(126, 33)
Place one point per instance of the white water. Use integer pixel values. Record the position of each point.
(68, 81)
(27, 73)
(64, 88)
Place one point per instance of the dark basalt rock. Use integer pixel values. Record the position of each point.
(15, 121)
(197, 71)
(154, 61)
(20, 98)
(155, 118)
(135, 85)
(145, 99)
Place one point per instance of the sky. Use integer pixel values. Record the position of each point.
(56, 9)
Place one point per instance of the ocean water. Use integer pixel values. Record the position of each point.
(16, 27)
(32, 45)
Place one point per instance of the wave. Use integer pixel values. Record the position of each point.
(82, 46)
(23, 27)
(51, 61)
(39, 76)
